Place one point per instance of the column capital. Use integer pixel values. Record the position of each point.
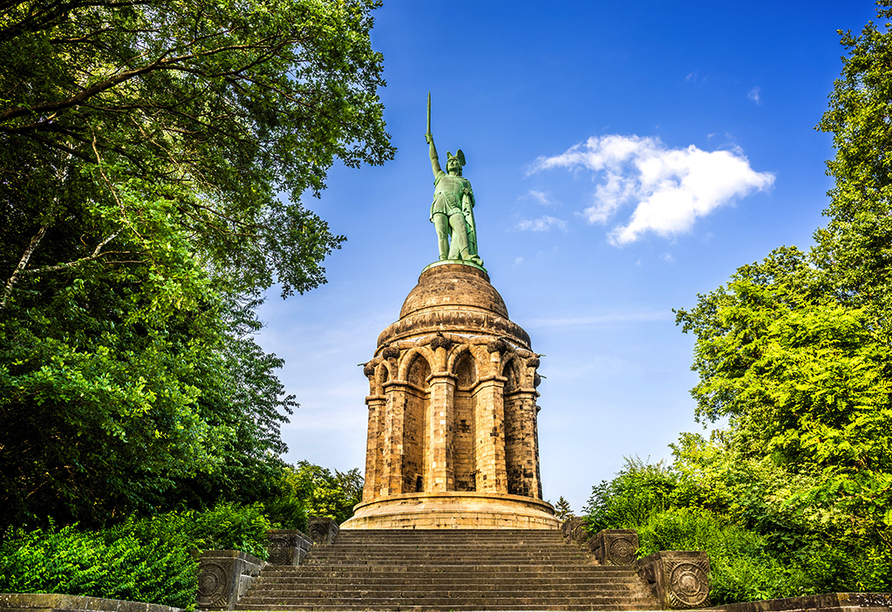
(446, 375)
(523, 391)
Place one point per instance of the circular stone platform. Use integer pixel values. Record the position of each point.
(453, 510)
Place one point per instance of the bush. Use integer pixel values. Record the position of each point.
(149, 559)
(639, 491)
(741, 568)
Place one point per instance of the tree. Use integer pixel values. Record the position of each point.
(796, 350)
(856, 246)
(311, 490)
(167, 127)
(142, 148)
(562, 509)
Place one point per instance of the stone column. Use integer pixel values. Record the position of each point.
(391, 479)
(440, 474)
(372, 486)
(490, 435)
(522, 448)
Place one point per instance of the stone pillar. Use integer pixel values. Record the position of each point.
(440, 474)
(391, 479)
(680, 579)
(490, 425)
(372, 486)
(536, 409)
(521, 444)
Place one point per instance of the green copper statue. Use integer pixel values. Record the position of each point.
(452, 211)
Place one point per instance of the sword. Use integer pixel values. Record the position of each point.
(428, 112)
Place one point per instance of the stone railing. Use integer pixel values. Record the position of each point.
(224, 576)
(322, 530)
(58, 602)
(678, 579)
(286, 546)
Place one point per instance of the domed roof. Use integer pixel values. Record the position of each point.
(454, 287)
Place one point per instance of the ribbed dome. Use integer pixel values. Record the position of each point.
(454, 286)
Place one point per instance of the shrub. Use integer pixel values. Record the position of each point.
(146, 559)
(741, 568)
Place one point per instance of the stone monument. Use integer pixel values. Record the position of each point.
(452, 434)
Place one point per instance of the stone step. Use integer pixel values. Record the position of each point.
(458, 570)
(516, 572)
(458, 602)
(456, 559)
(490, 579)
(448, 536)
(472, 591)
(399, 606)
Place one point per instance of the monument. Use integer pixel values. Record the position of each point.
(452, 434)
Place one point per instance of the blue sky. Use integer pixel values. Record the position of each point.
(624, 157)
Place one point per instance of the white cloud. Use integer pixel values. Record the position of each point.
(542, 198)
(542, 224)
(667, 257)
(670, 188)
(518, 261)
(755, 95)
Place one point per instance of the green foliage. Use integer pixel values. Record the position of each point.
(562, 509)
(795, 352)
(142, 148)
(639, 491)
(856, 245)
(113, 416)
(148, 560)
(310, 490)
(169, 138)
(742, 570)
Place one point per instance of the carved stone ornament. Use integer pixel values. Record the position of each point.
(537, 380)
(615, 546)
(369, 370)
(533, 362)
(574, 531)
(497, 346)
(213, 586)
(688, 584)
(390, 352)
(679, 578)
(280, 548)
(322, 530)
(441, 341)
(621, 551)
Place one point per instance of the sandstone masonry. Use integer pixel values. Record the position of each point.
(452, 436)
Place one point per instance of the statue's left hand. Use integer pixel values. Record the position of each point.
(429, 138)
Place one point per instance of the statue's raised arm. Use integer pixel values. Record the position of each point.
(435, 160)
(452, 207)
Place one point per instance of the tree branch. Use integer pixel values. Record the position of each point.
(35, 240)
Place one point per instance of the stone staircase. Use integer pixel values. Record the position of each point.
(458, 570)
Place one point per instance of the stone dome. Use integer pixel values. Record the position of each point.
(454, 286)
(451, 297)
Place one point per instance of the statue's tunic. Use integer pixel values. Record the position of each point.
(448, 192)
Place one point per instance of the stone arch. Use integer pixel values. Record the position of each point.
(408, 360)
(382, 375)
(415, 369)
(516, 434)
(455, 355)
(512, 370)
(464, 414)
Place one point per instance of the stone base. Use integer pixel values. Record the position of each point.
(453, 510)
